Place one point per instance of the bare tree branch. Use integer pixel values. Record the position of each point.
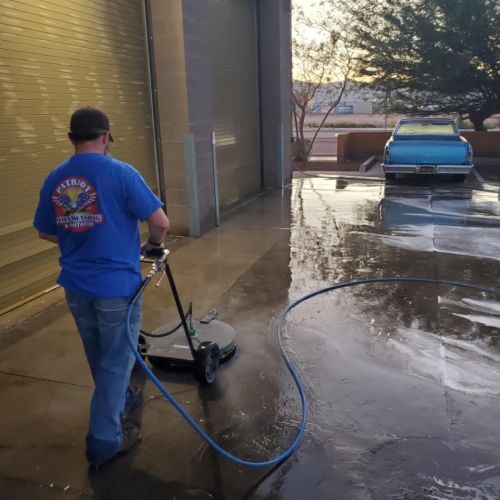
(324, 63)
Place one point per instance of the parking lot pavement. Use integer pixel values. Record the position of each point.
(488, 169)
(402, 379)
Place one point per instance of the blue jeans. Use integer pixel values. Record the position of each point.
(102, 326)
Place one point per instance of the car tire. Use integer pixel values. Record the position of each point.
(459, 177)
(390, 177)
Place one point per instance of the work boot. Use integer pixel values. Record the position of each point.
(131, 437)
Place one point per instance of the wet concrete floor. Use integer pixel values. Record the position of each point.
(402, 379)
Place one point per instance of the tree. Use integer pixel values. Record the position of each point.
(322, 64)
(436, 56)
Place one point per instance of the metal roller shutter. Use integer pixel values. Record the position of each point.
(233, 38)
(56, 56)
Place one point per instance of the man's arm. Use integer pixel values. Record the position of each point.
(158, 225)
(49, 237)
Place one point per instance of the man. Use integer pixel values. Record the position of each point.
(90, 206)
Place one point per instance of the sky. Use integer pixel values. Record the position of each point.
(309, 8)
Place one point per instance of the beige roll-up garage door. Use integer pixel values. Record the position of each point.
(56, 56)
(233, 38)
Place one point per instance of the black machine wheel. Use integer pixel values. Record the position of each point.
(459, 177)
(390, 177)
(206, 362)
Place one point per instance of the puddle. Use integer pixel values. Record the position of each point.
(399, 360)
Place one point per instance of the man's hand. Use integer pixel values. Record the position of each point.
(158, 225)
(149, 249)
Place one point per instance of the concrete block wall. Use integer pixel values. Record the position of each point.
(170, 65)
(185, 102)
(485, 144)
(360, 145)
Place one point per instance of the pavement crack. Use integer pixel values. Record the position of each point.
(44, 379)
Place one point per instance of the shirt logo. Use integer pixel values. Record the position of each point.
(75, 204)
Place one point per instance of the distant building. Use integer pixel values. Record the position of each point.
(356, 100)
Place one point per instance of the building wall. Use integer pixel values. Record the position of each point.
(362, 107)
(167, 21)
(232, 37)
(207, 63)
(201, 111)
(276, 71)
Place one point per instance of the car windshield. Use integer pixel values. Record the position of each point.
(426, 128)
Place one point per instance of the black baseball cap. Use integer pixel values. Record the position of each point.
(87, 124)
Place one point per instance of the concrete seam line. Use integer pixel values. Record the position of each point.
(44, 379)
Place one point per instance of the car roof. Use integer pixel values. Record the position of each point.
(428, 119)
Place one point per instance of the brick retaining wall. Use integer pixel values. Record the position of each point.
(361, 145)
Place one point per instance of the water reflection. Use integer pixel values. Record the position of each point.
(368, 230)
(396, 360)
(324, 214)
(436, 220)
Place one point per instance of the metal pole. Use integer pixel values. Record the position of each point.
(160, 173)
(216, 180)
(179, 308)
(260, 93)
(192, 186)
(281, 155)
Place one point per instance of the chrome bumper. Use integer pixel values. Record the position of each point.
(427, 169)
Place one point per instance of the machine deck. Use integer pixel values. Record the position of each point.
(173, 351)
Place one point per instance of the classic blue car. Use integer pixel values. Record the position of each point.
(429, 146)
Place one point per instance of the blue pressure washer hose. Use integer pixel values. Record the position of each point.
(296, 378)
(268, 463)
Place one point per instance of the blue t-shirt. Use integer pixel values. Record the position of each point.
(93, 204)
